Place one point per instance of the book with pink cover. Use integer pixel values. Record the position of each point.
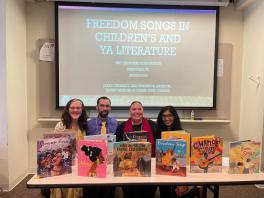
(92, 158)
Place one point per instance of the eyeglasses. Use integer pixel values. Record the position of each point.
(102, 105)
(75, 108)
(167, 116)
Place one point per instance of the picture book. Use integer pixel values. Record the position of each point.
(139, 136)
(67, 134)
(181, 134)
(244, 157)
(54, 157)
(132, 159)
(206, 154)
(110, 139)
(171, 157)
(92, 156)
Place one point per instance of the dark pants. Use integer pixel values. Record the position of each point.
(144, 191)
(169, 192)
(99, 191)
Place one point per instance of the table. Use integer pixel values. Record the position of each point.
(210, 181)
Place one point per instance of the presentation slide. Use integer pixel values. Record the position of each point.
(153, 55)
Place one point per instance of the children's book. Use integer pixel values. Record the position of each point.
(54, 157)
(139, 136)
(244, 157)
(132, 159)
(181, 134)
(110, 139)
(171, 157)
(206, 154)
(92, 156)
(67, 134)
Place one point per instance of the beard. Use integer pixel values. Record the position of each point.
(103, 114)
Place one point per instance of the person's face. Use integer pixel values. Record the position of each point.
(75, 110)
(167, 118)
(136, 112)
(103, 108)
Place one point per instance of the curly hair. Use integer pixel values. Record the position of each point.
(67, 120)
(176, 125)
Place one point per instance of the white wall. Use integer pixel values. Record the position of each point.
(40, 25)
(3, 100)
(16, 75)
(252, 97)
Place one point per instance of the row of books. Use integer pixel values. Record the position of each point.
(57, 153)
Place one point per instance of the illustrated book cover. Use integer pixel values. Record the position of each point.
(54, 157)
(206, 154)
(132, 159)
(67, 134)
(244, 157)
(181, 134)
(92, 156)
(171, 157)
(139, 136)
(110, 139)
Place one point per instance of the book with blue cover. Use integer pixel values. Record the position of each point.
(171, 157)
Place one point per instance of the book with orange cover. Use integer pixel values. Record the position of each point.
(181, 134)
(206, 154)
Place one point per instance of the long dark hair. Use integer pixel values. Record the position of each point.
(176, 125)
(67, 120)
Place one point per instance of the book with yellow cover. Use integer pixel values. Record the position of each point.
(132, 159)
(206, 154)
(166, 135)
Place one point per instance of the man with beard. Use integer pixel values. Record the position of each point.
(102, 124)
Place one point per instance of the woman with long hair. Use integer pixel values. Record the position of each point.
(73, 119)
(168, 120)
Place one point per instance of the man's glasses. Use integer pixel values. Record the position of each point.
(102, 105)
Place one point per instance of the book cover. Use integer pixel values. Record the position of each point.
(206, 154)
(132, 159)
(54, 157)
(92, 156)
(139, 136)
(110, 139)
(67, 134)
(181, 134)
(171, 157)
(244, 157)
